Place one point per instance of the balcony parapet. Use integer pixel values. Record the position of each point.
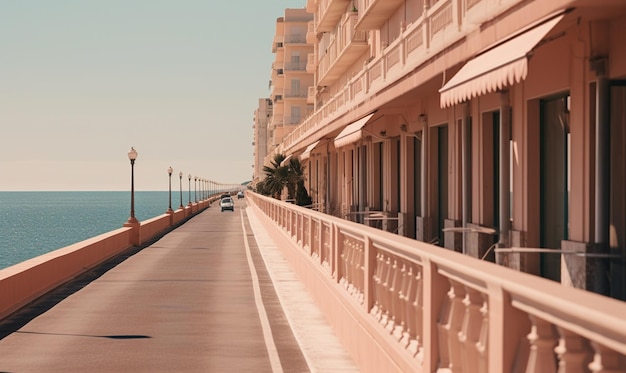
(348, 45)
(311, 63)
(295, 39)
(299, 93)
(329, 13)
(423, 308)
(374, 13)
(311, 35)
(295, 66)
(311, 93)
(437, 28)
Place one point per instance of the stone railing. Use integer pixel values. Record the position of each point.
(22, 283)
(403, 305)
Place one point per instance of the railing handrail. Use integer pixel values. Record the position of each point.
(471, 288)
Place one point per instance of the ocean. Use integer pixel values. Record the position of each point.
(34, 223)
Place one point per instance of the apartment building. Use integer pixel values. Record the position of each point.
(262, 117)
(495, 128)
(290, 79)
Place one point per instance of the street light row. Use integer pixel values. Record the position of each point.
(208, 187)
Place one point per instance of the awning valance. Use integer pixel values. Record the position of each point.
(497, 67)
(285, 161)
(352, 132)
(307, 152)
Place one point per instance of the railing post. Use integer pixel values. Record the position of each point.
(369, 264)
(435, 287)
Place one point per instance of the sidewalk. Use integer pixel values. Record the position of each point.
(321, 348)
(198, 300)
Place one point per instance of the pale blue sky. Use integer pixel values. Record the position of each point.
(83, 81)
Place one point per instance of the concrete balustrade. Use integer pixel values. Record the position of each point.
(22, 283)
(399, 304)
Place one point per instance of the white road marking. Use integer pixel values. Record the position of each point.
(265, 324)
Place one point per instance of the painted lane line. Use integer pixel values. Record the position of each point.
(265, 324)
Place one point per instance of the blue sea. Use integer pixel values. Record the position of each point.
(34, 223)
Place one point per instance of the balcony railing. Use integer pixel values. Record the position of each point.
(329, 13)
(437, 28)
(426, 309)
(373, 13)
(311, 63)
(295, 66)
(295, 39)
(298, 93)
(348, 45)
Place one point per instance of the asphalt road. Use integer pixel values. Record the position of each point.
(186, 303)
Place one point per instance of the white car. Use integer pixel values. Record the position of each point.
(227, 203)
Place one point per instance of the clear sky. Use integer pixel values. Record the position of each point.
(83, 81)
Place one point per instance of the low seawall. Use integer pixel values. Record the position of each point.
(24, 282)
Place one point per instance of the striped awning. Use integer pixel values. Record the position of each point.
(352, 132)
(497, 67)
(307, 152)
(285, 161)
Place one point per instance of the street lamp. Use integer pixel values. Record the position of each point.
(180, 179)
(132, 155)
(189, 189)
(169, 172)
(195, 188)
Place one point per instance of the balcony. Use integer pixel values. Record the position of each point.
(421, 40)
(300, 93)
(311, 65)
(311, 6)
(295, 66)
(295, 39)
(310, 97)
(330, 12)
(342, 52)
(311, 35)
(374, 13)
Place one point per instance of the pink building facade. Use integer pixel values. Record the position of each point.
(494, 128)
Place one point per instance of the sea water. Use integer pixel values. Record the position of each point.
(34, 223)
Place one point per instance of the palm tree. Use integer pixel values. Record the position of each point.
(291, 176)
(276, 176)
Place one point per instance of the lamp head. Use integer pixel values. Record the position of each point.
(170, 170)
(132, 154)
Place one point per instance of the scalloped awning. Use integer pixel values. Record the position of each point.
(307, 152)
(497, 67)
(352, 132)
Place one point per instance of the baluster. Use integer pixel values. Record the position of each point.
(606, 360)
(483, 339)
(377, 278)
(403, 304)
(345, 256)
(359, 271)
(350, 265)
(470, 330)
(418, 319)
(385, 291)
(542, 340)
(450, 323)
(393, 297)
(573, 351)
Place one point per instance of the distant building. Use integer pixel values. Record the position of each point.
(262, 117)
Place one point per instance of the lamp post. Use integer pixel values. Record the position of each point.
(189, 189)
(180, 183)
(132, 156)
(195, 189)
(169, 172)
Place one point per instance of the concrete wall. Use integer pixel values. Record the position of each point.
(22, 283)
